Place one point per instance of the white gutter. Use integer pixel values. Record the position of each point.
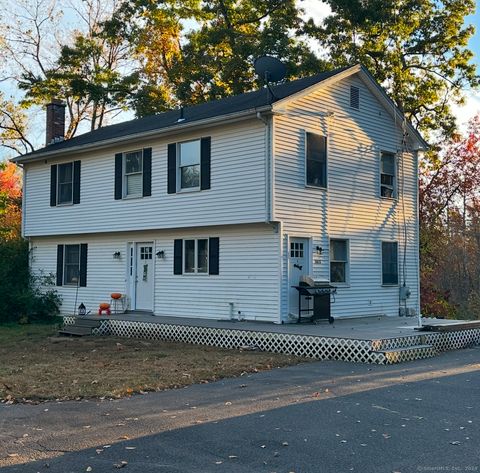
(174, 129)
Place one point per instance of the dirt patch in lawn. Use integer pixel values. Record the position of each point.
(37, 365)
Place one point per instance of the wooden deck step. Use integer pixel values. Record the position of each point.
(92, 323)
(401, 354)
(80, 327)
(449, 327)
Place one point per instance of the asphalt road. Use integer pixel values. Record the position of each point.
(328, 417)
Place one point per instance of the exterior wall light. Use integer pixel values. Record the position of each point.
(116, 255)
(319, 250)
(160, 254)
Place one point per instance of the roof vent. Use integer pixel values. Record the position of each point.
(182, 118)
(354, 97)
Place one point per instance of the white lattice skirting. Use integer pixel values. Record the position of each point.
(322, 348)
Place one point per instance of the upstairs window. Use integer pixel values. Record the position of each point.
(133, 173)
(389, 263)
(316, 160)
(65, 183)
(388, 176)
(189, 165)
(338, 261)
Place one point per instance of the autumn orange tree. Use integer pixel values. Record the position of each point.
(450, 227)
(24, 297)
(10, 202)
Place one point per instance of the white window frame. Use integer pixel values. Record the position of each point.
(347, 262)
(179, 168)
(394, 187)
(70, 202)
(124, 175)
(71, 283)
(195, 256)
(381, 264)
(305, 137)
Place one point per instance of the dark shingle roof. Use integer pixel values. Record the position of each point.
(215, 108)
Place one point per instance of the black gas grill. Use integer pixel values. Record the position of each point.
(314, 300)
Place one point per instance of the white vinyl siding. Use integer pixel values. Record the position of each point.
(237, 194)
(350, 209)
(249, 258)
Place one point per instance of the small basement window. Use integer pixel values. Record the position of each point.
(316, 160)
(133, 173)
(339, 261)
(189, 165)
(196, 256)
(388, 176)
(389, 263)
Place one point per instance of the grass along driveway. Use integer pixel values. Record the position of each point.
(36, 365)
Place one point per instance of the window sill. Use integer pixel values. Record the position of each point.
(394, 199)
(188, 190)
(132, 197)
(65, 204)
(390, 285)
(340, 284)
(307, 186)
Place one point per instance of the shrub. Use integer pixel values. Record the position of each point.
(24, 297)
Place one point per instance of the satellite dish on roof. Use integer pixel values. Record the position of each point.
(270, 69)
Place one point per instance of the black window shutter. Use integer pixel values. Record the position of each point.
(76, 182)
(177, 256)
(213, 255)
(205, 154)
(147, 172)
(53, 185)
(118, 175)
(83, 264)
(172, 169)
(59, 265)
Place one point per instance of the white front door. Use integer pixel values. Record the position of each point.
(144, 276)
(297, 266)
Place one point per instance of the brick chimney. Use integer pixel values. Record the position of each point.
(55, 122)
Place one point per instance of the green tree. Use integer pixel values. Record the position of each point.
(417, 49)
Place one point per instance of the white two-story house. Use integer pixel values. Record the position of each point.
(216, 210)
